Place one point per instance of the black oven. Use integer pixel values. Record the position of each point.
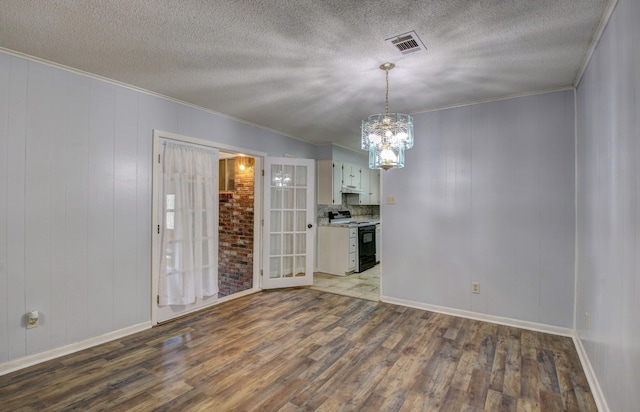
(366, 247)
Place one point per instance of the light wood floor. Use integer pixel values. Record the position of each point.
(301, 349)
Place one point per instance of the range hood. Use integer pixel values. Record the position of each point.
(351, 189)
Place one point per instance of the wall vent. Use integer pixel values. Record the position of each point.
(406, 43)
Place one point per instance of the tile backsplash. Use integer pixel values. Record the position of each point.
(357, 211)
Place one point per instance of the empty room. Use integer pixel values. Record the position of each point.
(320, 205)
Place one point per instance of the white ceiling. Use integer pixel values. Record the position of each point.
(309, 68)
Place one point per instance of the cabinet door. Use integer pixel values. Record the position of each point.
(351, 175)
(329, 182)
(337, 183)
(374, 187)
(365, 197)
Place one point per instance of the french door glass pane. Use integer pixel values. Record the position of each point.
(287, 224)
(275, 243)
(274, 267)
(301, 244)
(301, 262)
(288, 198)
(301, 198)
(301, 176)
(289, 174)
(276, 221)
(287, 266)
(301, 221)
(276, 198)
(287, 247)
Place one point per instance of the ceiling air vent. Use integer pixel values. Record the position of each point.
(406, 43)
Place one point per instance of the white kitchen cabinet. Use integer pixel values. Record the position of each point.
(364, 186)
(329, 182)
(374, 187)
(370, 186)
(351, 176)
(337, 249)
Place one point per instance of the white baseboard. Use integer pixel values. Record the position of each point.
(596, 390)
(537, 327)
(30, 360)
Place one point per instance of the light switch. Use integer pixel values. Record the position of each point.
(391, 200)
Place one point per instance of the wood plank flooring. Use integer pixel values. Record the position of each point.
(305, 350)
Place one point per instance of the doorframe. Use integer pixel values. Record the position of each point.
(257, 207)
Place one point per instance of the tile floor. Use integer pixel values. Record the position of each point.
(365, 285)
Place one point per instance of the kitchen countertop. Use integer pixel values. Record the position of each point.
(325, 222)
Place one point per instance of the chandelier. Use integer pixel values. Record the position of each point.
(386, 136)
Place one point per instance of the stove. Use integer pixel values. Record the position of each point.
(366, 251)
(344, 218)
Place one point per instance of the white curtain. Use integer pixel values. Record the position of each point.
(189, 258)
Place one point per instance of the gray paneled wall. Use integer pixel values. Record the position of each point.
(608, 261)
(487, 195)
(75, 199)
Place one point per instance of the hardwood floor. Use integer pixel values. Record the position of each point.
(302, 349)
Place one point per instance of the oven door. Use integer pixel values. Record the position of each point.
(366, 247)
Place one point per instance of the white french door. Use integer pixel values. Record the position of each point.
(185, 250)
(289, 222)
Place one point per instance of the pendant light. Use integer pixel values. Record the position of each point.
(386, 136)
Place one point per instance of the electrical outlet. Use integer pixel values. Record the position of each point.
(32, 319)
(586, 321)
(391, 200)
(475, 287)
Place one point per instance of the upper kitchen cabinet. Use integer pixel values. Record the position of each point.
(369, 186)
(329, 182)
(351, 175)
(335, 179)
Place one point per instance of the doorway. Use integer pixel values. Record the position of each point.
(236, 223)
(233, 193)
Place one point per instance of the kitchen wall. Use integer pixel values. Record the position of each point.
(608, 241)
(75, 200)
(487, 195)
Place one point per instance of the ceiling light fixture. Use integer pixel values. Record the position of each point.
(386, 136)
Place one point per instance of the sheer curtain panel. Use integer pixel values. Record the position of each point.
(189, 258)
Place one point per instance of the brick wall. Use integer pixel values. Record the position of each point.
(235, 252)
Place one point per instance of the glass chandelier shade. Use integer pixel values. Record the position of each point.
(386, 136)
(386, 157)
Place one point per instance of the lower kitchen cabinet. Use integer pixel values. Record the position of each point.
(337, 249)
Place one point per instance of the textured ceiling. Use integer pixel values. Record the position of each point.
(309, 68)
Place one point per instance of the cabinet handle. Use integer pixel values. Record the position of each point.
(309, 225)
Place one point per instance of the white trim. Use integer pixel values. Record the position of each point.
(495, 99)
(594, 385)
(30, 360)
(533, 326)
(575, 209)
(606, 16)
(258, 218)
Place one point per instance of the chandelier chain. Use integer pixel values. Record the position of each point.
(386, 105)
